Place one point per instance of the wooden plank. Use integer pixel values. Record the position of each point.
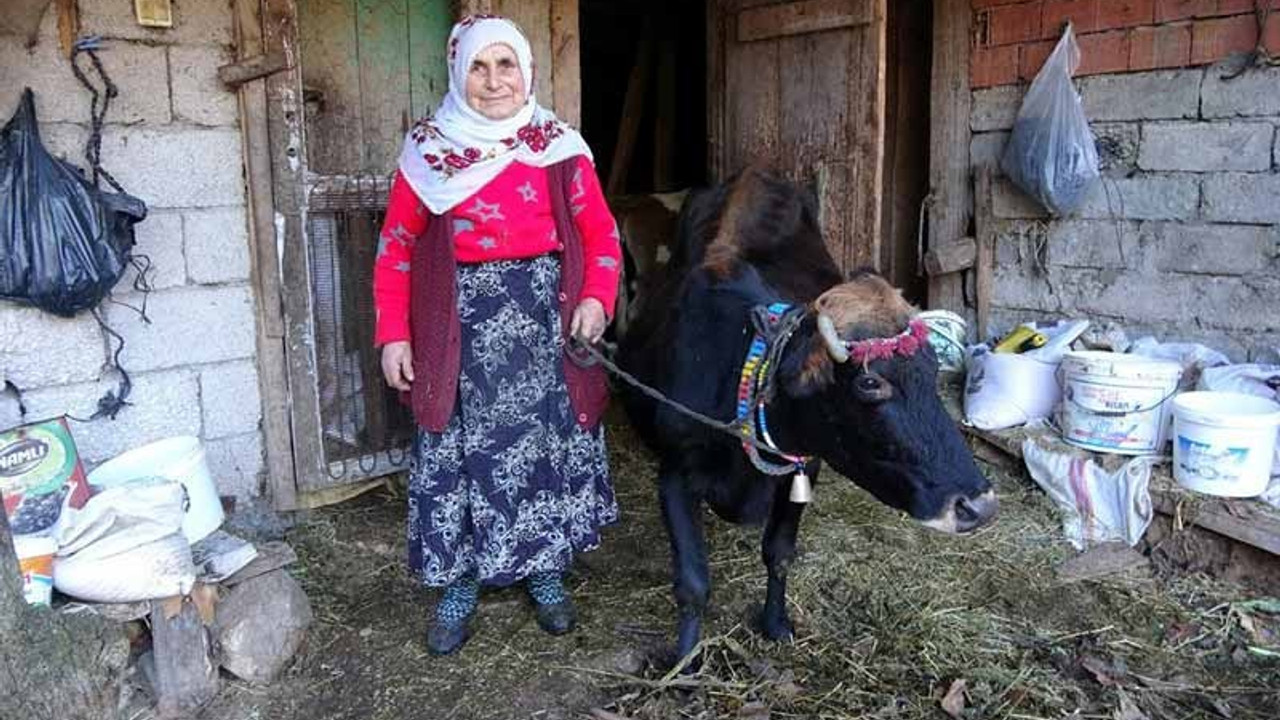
(383, 46)
(866, 145)
(833, 182)
(186, 677)
(273, 379)
(752, 100)
(534, 18)
(797, 18)
(983, 267)
(464, 8)
(951, 256)
(566, 71)
(717, 134)
(813, 102)
(949, 191)
(288, 148)
(632, 111)
(331, 75)
(235, 74)
(429, 25)
(271, 556)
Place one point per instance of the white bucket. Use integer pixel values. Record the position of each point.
(1116, 403)
(1223, 442)
(177, 458)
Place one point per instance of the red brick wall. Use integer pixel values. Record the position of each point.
(1012, 38)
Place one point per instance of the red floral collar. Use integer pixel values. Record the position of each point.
(905, 344)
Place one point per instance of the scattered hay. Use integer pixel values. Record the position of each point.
(889, 617)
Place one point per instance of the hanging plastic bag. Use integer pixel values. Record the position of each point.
(63, 242)
(1051, 154)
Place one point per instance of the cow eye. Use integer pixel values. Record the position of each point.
(872, 388)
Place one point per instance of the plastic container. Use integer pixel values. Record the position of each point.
(1117, 403)
(1223, 442)
(35, 560)
(179, 458)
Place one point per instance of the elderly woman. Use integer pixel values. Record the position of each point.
(497, 248)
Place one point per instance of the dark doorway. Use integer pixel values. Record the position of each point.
(644, 107)
(908, 69)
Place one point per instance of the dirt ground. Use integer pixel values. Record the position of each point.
(893, 621)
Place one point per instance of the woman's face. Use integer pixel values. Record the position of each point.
(495, 85)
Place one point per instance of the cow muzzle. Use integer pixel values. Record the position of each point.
(965, 514)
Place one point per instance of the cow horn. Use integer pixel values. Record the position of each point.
(827, 329)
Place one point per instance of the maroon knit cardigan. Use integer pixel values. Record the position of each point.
(437, 334)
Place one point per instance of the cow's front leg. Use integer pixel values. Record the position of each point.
(682, 514)
(778, 549)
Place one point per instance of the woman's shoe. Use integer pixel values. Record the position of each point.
(445, 637)
(557, 618)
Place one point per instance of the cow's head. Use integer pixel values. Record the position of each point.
(868, 403)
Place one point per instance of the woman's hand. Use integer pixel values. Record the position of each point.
(588, 322)
(397, 364)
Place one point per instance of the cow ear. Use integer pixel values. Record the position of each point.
(809, 371)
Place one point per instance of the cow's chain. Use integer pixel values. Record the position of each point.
(733, 429)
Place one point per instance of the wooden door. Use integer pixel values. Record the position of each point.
(798, 86)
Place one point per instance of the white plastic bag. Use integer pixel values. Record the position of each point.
(1097, 506)
(125, 545)
(1051, 153)
(1260, 380)
(1194, 357)
(1003, 390)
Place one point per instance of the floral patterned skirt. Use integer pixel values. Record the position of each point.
(514, 485)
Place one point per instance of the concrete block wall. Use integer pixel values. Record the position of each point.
(172, 138)
(1181, 239)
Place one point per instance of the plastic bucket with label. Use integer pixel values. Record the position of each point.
(1223, 442)
(1116, 403)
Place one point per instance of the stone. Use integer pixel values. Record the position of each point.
(217, 245)
(177, 167)
(198, 96)
(985, 149)
(1251, 94)
(260, 625)
(138, 71)
(1143, 197)
(1117, 146)
(1207, 147)
(194, 23)
(1159, 95)
(161, 405)
(189, 325)
(1242, 198)
(229, 399)
(1212, 249)
(1093, 243)
(159, 238)
(42, 350)
(995, 108)
(237, 464)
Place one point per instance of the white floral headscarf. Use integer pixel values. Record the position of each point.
(449, 155)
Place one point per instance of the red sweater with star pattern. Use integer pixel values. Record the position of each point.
(508, 219)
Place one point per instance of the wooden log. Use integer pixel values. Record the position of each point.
(949, 257)
(951, 100)
(235, 74)
(68, 25)
(186, 676)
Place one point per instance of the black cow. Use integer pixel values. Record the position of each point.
(750, 243)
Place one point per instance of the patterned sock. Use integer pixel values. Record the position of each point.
(459, 600)
(547, 588)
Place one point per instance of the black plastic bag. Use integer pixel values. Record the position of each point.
(63, 242)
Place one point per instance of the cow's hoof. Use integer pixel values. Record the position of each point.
(446, 638)
(778, 629)
(556, 618)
